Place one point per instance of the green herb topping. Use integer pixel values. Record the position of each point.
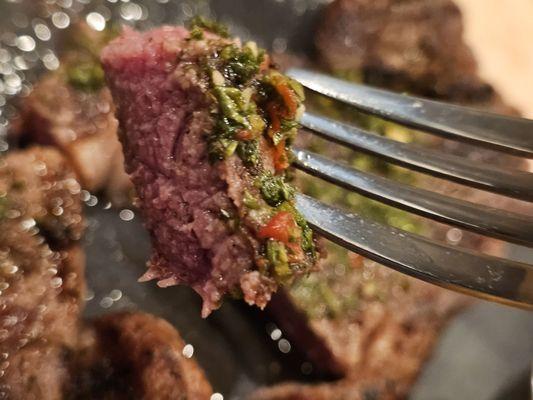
(256, 113)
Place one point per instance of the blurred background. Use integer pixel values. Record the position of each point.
(485, 353)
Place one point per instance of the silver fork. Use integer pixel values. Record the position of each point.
(462, 270)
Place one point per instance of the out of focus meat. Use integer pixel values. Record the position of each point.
(36, 372)
(326, 391)
(370, 325)
(41, 272)
(138, 356)
(38, 186)
(408, 45)
(82, 125)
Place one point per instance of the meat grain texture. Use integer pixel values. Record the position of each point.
(165, 111)
(48, 352)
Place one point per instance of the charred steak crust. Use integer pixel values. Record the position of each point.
(205, 126)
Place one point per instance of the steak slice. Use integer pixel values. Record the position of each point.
(205, 126)
(39, 186)
(365, 323)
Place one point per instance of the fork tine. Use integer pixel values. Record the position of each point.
(488, 221)
(465, 271)
(512, 183)
(509, 134)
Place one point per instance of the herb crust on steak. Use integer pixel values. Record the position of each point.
(206, 127)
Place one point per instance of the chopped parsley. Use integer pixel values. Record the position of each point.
(275, 190)
(256, 114)
(199, 24)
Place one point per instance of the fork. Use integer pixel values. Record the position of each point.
(466, 271)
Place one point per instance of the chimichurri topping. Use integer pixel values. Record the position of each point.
(256, 118)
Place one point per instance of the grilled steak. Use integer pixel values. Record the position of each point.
(41, 272)
(365, 323)
(73, 110)
(45, 354)
(206, 123)
(327, 391)
(137, 356)
(37, 184)
(405, 45)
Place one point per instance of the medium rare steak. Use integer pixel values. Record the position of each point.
(206, 123)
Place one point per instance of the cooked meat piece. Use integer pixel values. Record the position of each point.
(35, 372)
(41, 283)
(73, 110)
(41, 289)
(37, 185)
(365, 322)
(205, 126)
(39, 313)
(326, 391)
(138, 356)
(82, 125)
(407, 45)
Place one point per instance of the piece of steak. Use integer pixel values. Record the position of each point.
(405, 45)
(136, 356)
(37, 185)
(72, 110)
(363, 322)
(205, 126)
(41, 272)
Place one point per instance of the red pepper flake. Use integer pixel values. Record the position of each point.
(279, 155)
(289, 97)
(281, 227)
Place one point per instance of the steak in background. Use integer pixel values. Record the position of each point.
(415, 46)
(47, 352)
(41, 274)
(72, 110)
(136, 356)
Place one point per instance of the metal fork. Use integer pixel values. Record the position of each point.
(462, 270)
